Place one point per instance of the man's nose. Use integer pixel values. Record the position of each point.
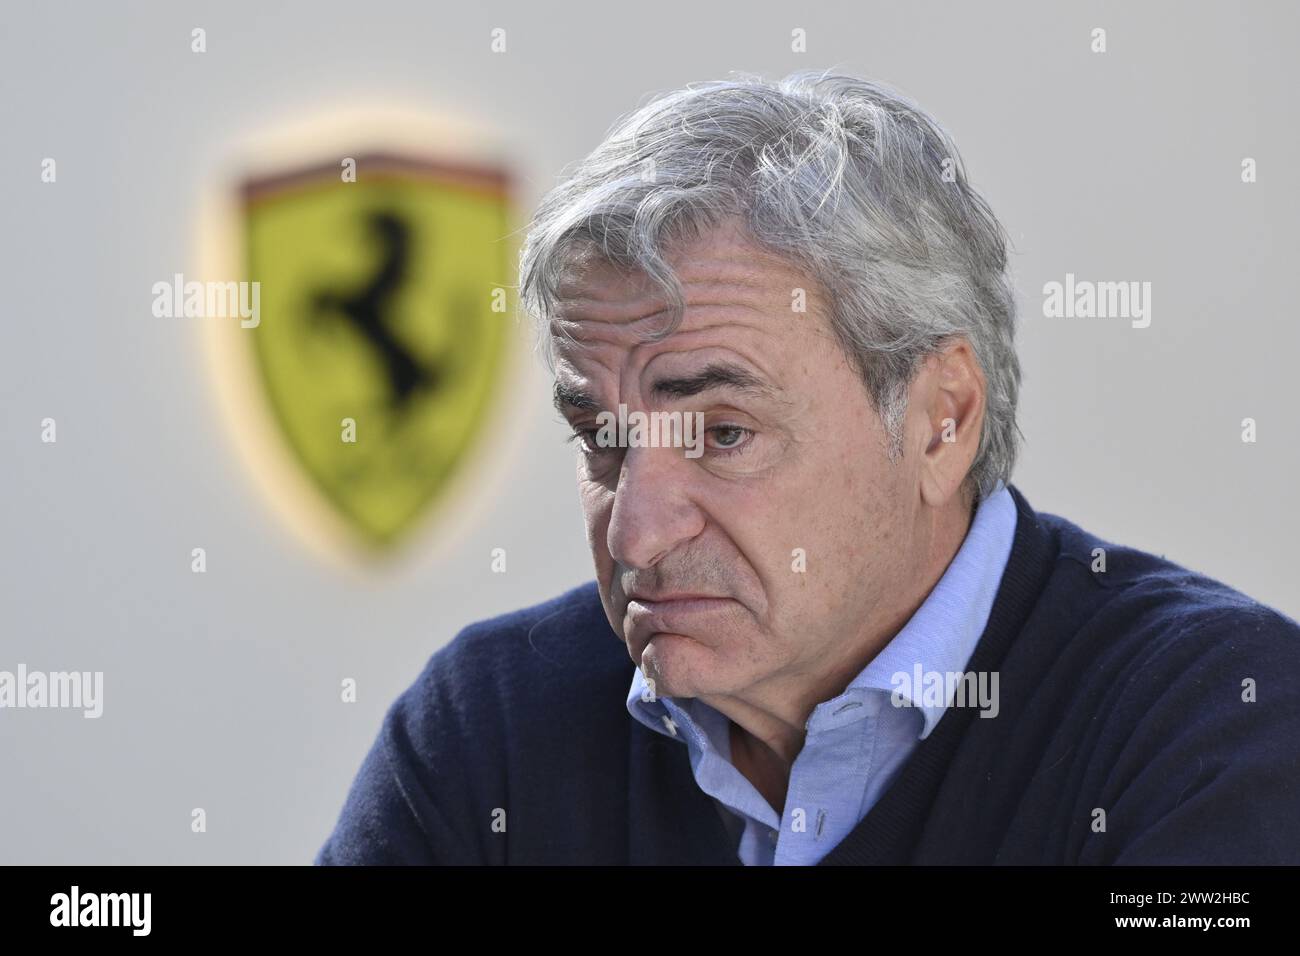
(652, 512)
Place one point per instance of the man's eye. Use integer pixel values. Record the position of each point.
(729, 437)
(586, 440)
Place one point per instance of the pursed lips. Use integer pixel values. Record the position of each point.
(671, 613)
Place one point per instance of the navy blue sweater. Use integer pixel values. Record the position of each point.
(1126, 691)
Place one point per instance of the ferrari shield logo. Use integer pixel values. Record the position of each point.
(381, 335)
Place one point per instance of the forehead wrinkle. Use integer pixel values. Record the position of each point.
(615, 347)
(632, 315)
(613, 309)
(704, 281)
(611, 312)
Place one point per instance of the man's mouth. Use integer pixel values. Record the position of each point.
(676, 613)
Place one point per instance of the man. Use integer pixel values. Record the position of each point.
(830, 631)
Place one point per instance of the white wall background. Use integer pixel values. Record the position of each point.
(221, 690)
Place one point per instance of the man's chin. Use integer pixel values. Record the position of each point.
(679, 666)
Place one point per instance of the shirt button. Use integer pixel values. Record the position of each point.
(771, 835)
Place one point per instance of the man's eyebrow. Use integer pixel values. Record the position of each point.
(569, 396)
(714, 375)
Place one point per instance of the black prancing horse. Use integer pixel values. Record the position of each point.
(368, 308)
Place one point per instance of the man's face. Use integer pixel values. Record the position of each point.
(759, 563)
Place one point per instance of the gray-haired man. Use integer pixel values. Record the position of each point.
(837, 635)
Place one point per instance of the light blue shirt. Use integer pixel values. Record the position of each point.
(856, 742)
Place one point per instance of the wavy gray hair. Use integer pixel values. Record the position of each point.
(847, 179)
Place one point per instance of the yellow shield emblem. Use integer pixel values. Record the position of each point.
(381, 336)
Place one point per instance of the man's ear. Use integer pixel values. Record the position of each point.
(949, 395)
